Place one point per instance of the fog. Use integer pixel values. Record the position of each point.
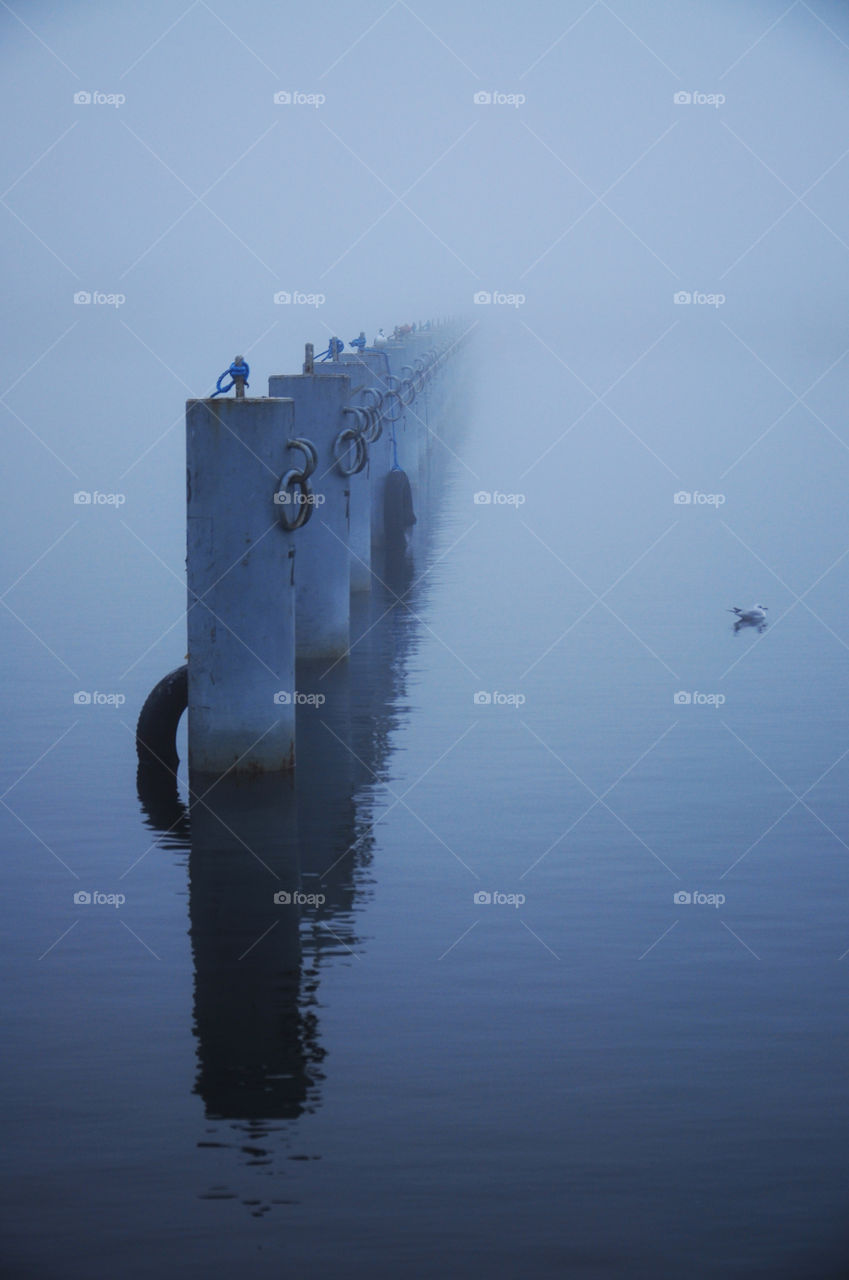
(638, 211)
(386, 193)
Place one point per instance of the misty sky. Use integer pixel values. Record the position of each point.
(184, 191)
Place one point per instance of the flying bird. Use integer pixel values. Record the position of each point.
(753, 617)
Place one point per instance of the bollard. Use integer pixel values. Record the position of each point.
(240, 379)
(324, 578)
(241, 595)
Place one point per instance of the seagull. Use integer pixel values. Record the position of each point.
(380, 339)
(754, 617)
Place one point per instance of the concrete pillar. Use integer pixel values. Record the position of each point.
(323, 576)
(360, 485)
(369, 369)
(407, 433)
(241, 597)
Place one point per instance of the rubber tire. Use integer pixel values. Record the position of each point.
(398, 513)
(156, 731)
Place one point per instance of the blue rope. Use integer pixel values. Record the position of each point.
(235, 371)
(396, 466)
(358, 343)
(334, 351)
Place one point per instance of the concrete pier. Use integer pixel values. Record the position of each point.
(369, 370)
(241, 595)
(323, 576)
(362, 481)
(289, 498)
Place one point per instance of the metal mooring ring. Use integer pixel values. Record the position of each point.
(310, 453)
(342, 446)
(293, 500)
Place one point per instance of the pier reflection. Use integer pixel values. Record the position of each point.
(258, 1052)
(277, 866)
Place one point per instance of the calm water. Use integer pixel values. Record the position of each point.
(594, 1081)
